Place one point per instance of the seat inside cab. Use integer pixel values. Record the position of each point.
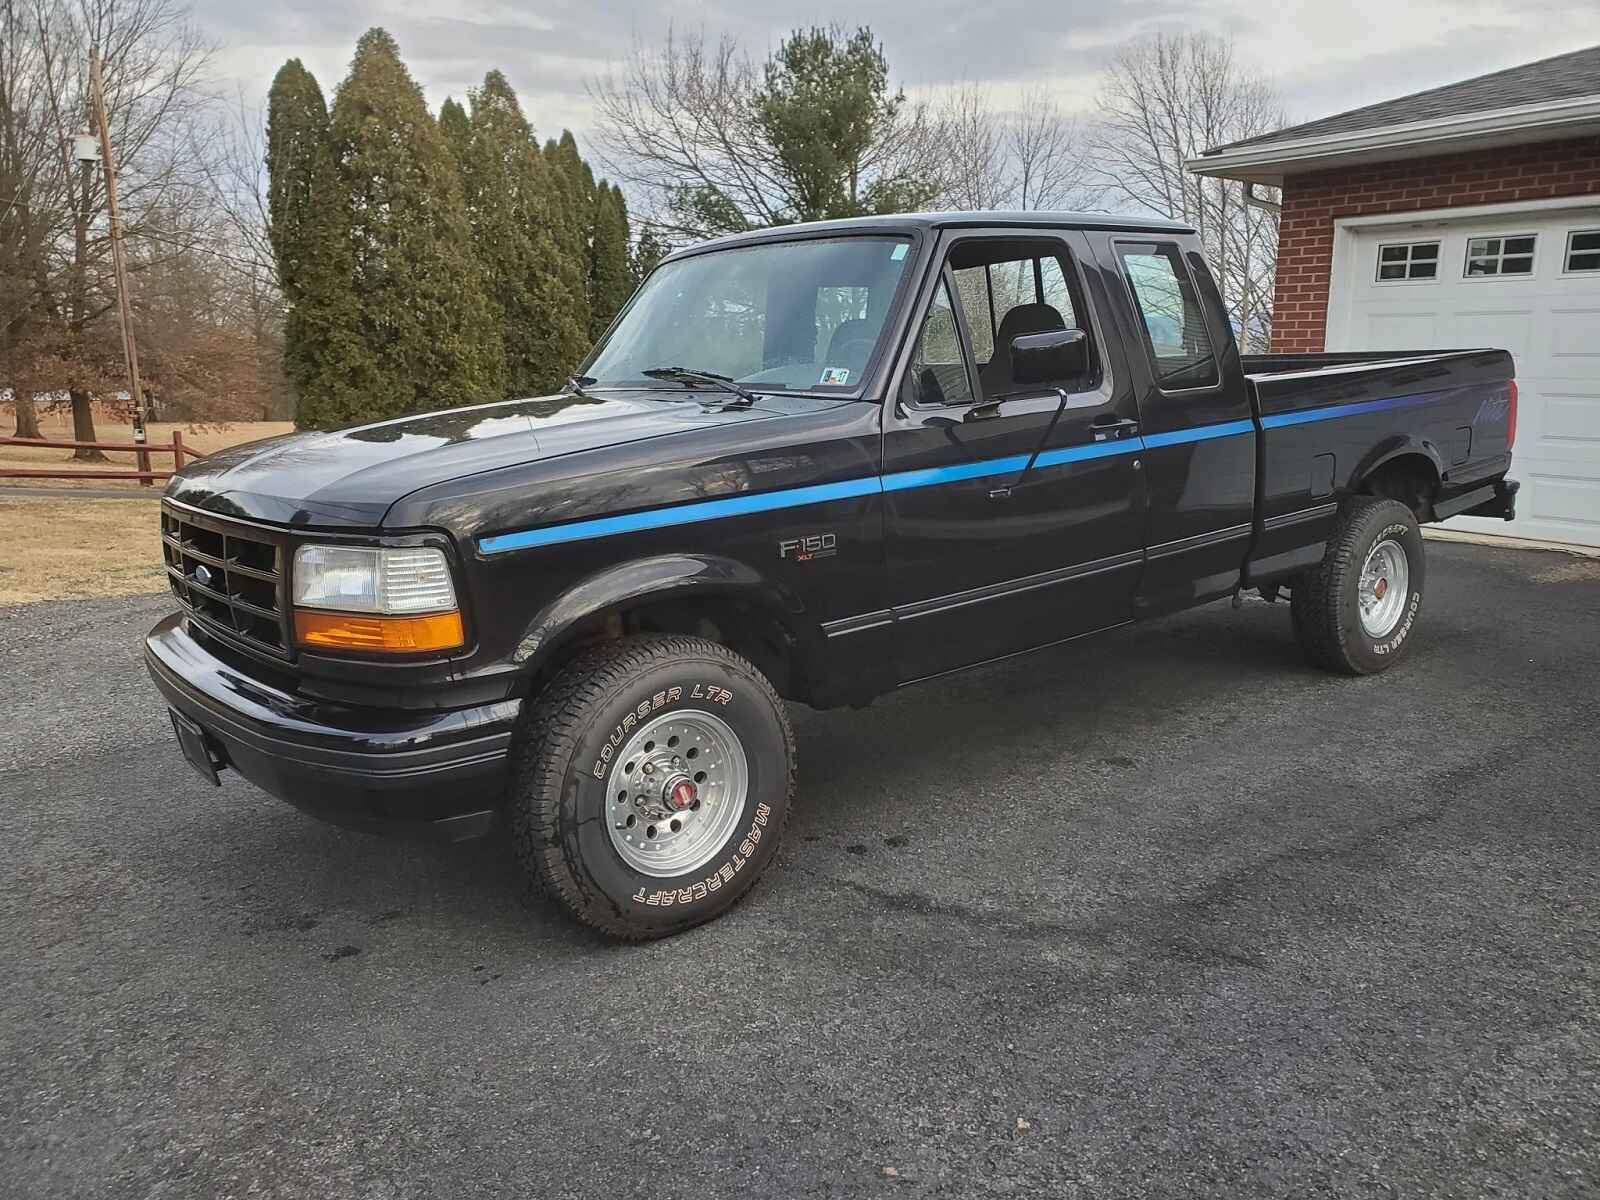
(1008, 287)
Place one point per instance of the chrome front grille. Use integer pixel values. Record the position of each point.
(229, 576)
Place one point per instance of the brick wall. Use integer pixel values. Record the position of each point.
(1313, 201)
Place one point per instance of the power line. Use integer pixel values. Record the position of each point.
(188, 245)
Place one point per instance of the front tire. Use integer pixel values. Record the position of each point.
(1355, 612)
(651, 784)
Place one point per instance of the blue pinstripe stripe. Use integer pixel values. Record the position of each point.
(1070, 454)
(1279, 420)
(1203, 433)
(899, 481)
(682, 514)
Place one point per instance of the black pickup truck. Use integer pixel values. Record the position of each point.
(815, 463)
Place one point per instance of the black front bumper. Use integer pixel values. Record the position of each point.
(443, 773)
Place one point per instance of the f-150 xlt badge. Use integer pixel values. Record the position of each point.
(804, 549)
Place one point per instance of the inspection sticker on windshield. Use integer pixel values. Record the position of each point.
(898, 252)
(831, 375)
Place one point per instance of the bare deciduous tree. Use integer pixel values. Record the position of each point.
(1047, 147)
(32, 179)
(682, 118)
(682, 125)
(240, 243)
(1027, 158)
(1167, 98)
(975, 172)
(55, 335)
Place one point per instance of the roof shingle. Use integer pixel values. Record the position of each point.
(1564, 77)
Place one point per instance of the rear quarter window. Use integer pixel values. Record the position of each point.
(1169, 310)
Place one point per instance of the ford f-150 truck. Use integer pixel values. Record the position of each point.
(815, 464)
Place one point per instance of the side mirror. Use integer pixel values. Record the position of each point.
(1054, 357)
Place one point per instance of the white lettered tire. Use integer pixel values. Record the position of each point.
(651, 784)
(1356, 611)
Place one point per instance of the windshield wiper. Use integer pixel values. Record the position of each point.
(689, 375)
(576, 384)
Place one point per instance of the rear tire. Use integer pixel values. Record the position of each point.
(1356, 610)
(611, 748)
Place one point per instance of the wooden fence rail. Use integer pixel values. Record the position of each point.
(144, 474)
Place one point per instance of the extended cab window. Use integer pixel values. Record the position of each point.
(1174, 322)
(802, 315)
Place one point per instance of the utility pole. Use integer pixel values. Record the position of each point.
(130, 349)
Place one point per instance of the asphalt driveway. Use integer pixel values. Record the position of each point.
(1167, 914)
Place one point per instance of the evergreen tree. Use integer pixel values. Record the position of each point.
(580, 178)
(576, 226)
(309, 229)
(648, 251)
(517, 204)
(456, 128)
(425, 314)
(610, 273)
(823, 105)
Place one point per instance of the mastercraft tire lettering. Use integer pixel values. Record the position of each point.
(1356, 611)
(652, 784)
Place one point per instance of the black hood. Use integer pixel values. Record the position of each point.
(351, 477)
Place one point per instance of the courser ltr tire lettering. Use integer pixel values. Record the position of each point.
(559, 798)
(1325, 604)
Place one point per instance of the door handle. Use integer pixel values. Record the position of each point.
(1106, 428)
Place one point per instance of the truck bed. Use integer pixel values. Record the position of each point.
(1297, 382)
(1326, 421)
(1272, 364)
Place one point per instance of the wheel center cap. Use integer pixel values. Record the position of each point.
(1380, 588)
(679, 794)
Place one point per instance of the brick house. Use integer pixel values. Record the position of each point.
(1467, 215)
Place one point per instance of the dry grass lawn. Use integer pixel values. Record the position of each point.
(58, 427)
(57, 549)
(61, 548)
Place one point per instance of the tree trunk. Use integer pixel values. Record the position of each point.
(27, 415)
(83, 426)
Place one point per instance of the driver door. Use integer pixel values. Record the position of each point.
(1014, 516)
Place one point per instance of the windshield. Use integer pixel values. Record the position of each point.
(796, 316)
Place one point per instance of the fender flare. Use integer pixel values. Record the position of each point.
(1398, 445)
(660, 577)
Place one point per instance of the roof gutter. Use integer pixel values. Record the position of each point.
(1268, 162)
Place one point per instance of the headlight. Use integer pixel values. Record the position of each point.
(375, 598)
(370, 580)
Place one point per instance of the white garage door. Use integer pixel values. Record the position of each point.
(1526, 282)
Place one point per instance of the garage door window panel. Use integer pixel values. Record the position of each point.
(1583, 250)
(1408, 260)
(1500, 256)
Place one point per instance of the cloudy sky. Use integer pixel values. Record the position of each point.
(1325, 56)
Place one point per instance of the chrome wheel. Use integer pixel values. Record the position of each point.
(1385, 585)
(676, 793)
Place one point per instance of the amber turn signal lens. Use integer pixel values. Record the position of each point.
(397, 635)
